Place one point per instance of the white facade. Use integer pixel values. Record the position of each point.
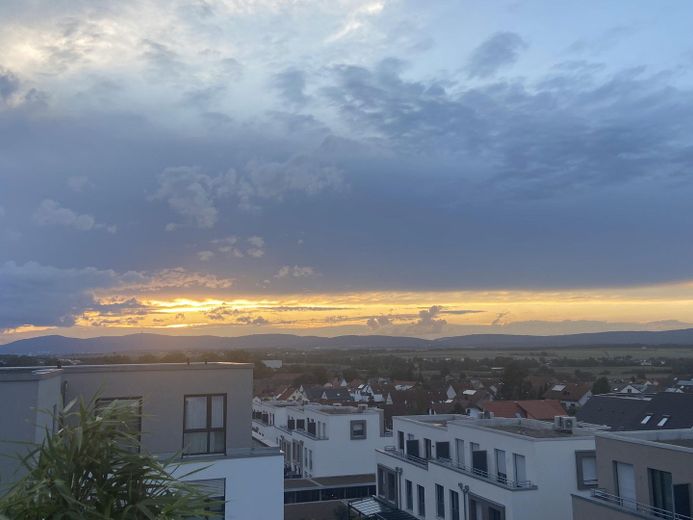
(495, 469)
(241, 475)
(321, 440)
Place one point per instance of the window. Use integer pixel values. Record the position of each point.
(421, 495)
(443, 450)
(400, 441)
(134, 425)
(427, 448)
(480, 463)
(663, 421)
(501, 470)
(454, 505)
(625, 483)
(459, 452)
(215, 489)
(440, 501)
(586, 463)
(646, 419)
(481, 509)
(409, 494)
(387, 484)
(661, 489)
(358, 430)
(520, 469)
(204, 424)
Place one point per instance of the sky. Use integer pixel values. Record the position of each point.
(345, 167)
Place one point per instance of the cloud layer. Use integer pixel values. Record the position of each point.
(301, 148)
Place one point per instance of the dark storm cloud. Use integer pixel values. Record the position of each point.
(579, 177)
(47, 296)
(498, 51)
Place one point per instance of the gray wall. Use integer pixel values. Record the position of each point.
(642, 457)
(27, 403)
(162, 388)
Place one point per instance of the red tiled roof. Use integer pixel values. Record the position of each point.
(543, 410)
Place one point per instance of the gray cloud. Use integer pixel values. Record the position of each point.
(51, 213)
(48, 296)
(9, 84)
(297, 271)
(291, 84)
(499, 50)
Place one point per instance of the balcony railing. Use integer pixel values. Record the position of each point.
(631, 505)
(305, 433)
(394, 452)
(486, 476)
(467, 470)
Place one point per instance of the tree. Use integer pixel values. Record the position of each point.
(93, 467)
(515, 385)
(601, 386)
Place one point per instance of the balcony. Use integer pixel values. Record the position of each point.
(633, 507)
(478, 474)
(401, 455)
(497, 480)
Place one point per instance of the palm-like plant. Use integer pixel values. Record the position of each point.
(93, 467)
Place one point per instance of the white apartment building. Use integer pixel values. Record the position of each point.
(454, 467)
(321, 440)
(199, 411)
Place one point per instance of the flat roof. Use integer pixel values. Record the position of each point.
(146, 367)
(528, 428)
(28, 373)
(537, 433)
(676, 439)
(43, 372)
(435, 421)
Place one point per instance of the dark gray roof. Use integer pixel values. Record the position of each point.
(621, 412)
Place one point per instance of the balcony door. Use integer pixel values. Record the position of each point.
(625, 483)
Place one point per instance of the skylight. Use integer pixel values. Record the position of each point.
(663, 421)
(646, 419)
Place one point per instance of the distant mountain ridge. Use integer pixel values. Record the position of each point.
(61, 345)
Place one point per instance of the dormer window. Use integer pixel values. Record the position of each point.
(646, 419)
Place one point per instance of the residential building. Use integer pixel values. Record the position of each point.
(662, 411)
(200, 412)
(643, 474)
(321, 440)
(571, 395)
(455, 467)
(539, 409)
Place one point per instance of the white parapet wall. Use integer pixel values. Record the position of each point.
(254, 485)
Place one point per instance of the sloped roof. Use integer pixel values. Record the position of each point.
(623, 412)
(543, 410)
(567, 391)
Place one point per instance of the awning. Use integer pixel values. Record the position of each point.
(373, 509)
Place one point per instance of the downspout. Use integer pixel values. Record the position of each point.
(399, 472)
(465, 492)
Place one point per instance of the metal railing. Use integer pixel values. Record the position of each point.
(400, 454)
(310, 435)
(477, 473)
(633, 505)
(499, 480)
